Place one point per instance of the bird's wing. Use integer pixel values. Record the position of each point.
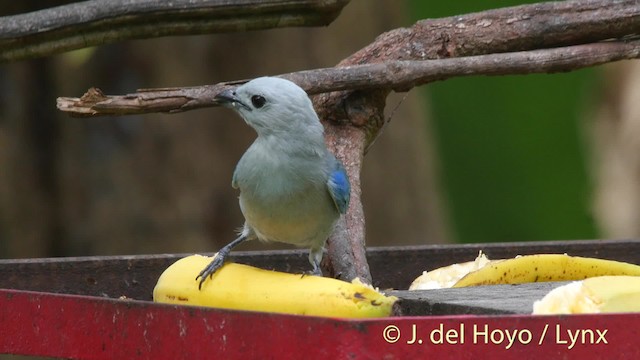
(339, 187)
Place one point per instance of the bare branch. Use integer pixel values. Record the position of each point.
(397, 75)
(518, 28)
(521, 28)
(98, 22)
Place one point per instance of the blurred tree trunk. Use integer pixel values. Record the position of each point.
(29, 138)
(161, 183)
(616, 138)
(28, 156)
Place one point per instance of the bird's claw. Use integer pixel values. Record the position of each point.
(311, 273)
(218, 261)
(315, 271)
(208, 271)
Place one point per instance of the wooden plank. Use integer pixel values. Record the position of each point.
(492, 299)
(391, 267)
(115, 276)
(80, 327)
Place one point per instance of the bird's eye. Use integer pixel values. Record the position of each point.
(258, 101)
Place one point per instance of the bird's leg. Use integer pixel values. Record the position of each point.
(315, 256)
(218, 260)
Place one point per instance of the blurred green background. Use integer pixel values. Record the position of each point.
(511, 151)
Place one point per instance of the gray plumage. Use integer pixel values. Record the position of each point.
(292, 189)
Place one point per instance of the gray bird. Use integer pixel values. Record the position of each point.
(292, 189)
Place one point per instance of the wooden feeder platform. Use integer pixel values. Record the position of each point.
(100, 308)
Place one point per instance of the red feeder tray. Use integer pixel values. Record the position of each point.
(72, 308)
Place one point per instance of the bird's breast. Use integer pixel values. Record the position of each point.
(304, 216)
(283, 192)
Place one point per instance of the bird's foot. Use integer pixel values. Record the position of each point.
(311, 273)
(208, 271)
(315, 270)
(218, 260)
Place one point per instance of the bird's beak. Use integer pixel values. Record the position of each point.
(228, 97)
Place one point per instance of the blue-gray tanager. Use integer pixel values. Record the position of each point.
(292, 189)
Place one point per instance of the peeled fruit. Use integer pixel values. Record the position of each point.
(446, 277)
(522, 269)
(604, 294)
(243, 287)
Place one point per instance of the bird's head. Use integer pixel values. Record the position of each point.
(270, 104)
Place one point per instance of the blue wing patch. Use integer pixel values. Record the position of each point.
(339, 187)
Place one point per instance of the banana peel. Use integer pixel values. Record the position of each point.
(524, 269)
(604, 294)
(243, 287)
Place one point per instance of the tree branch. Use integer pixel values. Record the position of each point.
(510, 29)
(397, 75)
(97, 22)
(521, 28)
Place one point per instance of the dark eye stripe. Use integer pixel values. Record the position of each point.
(258, 101)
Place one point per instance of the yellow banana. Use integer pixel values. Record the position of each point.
(604, 294)
(521, 269)
(545, 267)
(242, 287)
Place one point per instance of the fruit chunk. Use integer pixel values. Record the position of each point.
(243, 287)
(521, 269)
(604, 294)
(446, 277)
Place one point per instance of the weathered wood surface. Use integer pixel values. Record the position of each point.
(391, 267)
(480, 300)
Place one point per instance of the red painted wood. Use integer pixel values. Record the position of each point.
(82, 327)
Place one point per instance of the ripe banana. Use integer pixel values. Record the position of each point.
(604, 294)
(242, 287)
(522, 269)
(545, 267)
